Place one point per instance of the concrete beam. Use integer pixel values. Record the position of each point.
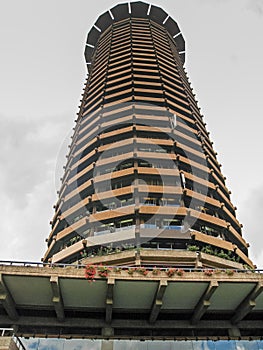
(107, 332)
(204, 302)
(247, 304)
(51, 323)
(157, 303)
(109, 299)
(7, 300)
(57, 298)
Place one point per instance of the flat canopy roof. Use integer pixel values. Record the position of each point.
(136, 9)
(61, 302)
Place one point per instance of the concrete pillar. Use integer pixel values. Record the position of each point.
(234, 332)
(107, 345)
(7, 343)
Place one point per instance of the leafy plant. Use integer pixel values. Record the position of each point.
(103, 271)
(142, 271)
(193, 248)
(117, 269)
(222, 254)
(208, 250)
(130, 271)
(247, 267)
(180, 272)
(100, 251)
(156, 271)
(83, 254)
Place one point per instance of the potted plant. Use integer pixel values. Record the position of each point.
(156, 271)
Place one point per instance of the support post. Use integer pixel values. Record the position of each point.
(7, 300)
(247, 304)
(204, 302)
(57, 298)
(157, 303)
(107, 345)
(109, 299)
(234, 332)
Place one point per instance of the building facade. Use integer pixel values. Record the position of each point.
(141, 173)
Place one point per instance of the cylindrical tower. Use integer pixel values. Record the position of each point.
(142, 184)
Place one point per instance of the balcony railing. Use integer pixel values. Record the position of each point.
(80, 266)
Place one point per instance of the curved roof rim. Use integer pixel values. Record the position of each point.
(139, 9)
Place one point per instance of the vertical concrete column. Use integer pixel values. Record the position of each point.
(107, 345)
(7, 343)
(234, 332)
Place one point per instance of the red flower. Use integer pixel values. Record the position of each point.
(90, 272)
(170, 272)
(208, 272)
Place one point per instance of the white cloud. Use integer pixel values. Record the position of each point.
(28, 158)
(252, 218)
(256, 6)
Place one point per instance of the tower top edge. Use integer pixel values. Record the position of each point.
(137, 9)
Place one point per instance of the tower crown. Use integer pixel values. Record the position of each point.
(138, 9)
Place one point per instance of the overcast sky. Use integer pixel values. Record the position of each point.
(42, 72)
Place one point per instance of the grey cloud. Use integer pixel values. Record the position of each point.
(255, 6)
(28, 150)
(29, 154)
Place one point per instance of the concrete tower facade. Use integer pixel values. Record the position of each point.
(142, 184)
